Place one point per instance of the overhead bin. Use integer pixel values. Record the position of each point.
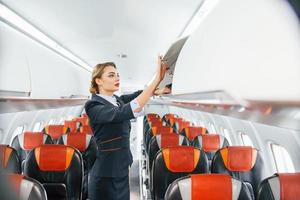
(240, 49)
(171, 58)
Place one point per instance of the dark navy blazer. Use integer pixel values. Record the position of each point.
(110, 123)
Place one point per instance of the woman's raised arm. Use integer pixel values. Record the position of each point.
(148, 91)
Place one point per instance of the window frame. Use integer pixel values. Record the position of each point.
(245, 139)
(281, 161)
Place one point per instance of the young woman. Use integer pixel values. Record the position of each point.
(110, 121)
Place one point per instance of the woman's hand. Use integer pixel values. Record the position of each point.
(161, 69)
(162, 91)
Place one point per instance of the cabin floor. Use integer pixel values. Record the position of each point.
(135, 146)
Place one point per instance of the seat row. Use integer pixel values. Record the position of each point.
(61, 169)
(238, 168)
(18, 158)
(280, 186)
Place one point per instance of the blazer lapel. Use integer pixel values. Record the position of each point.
(119, 100)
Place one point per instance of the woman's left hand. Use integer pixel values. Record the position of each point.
(164, 67)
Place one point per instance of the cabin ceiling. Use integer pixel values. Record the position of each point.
(97, 31)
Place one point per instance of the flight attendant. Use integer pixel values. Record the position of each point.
(110, 121)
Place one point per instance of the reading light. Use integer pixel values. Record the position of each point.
(203, 9)
(11, 18)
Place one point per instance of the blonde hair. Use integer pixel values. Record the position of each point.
(97, 73)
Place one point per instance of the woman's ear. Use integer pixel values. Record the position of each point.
(98, 81)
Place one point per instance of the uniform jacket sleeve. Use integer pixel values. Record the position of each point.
(129, 97)
(104, 113)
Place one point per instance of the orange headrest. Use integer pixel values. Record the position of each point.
(192, 132)
(211, 186)
(289, 185)
(71, 124)
(181, 158)
(82, 120)
(32, 140)
(161, 130)
(55, 131)
(153, 116)
(169, 140)
(77, 140)
(239, 158)
(211, 142)
(5, 152)
(53, 157)
(156, 123)
(86, 129)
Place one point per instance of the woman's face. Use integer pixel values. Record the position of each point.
(109, 81)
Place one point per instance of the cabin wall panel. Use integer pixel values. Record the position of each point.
(159, 109)
(28, 66)
(289, 139)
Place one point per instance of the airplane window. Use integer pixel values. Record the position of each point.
(51, 121)
(246, 140)
(18, 131)
(201, 123)
(282, 159)
(212, 129)
(70, 117)
(226, 135)
(61, 121)
(38, 126)
(1, 135)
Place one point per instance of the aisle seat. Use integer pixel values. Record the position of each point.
(192, 131)
(180, 125)
(55, 131)
(149, 125)
(207, 187)
(82, 120)
(175, 162)
(86, 129)
(25, 142)
(164, 141)
(58, 168)
(156, 130)
(9, 160)
(27, 188)
(210, 143)
(87, 146)
(72, 125)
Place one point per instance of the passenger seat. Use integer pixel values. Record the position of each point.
(86, 129)
(156, 130)
(207, 186)
(72, 125)
(9, 160)
(27, 188)
(241, 162)
(210, 143)
(59, 168)
(25, 142)
(87, 145)
(56, 131)
(192, 131)
(281, 186)
(164, 141)
(173, 163)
